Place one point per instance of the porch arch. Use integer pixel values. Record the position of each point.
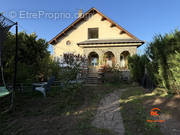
(124, 59)
(93, 59)
(109, 59)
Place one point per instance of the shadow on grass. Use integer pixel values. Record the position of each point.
(135, 114)
(54, 114)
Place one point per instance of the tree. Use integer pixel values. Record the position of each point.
(31, 53)
(163, 52)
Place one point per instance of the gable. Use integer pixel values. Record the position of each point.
(93, 18)
(105, 31)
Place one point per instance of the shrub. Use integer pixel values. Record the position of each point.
(136, 65)
(174, 67)
(163, 52)
(111, 74)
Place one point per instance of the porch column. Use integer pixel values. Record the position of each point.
(100, 59)
(117, 58)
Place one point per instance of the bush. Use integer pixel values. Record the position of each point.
(163, 52)
(111, 74)
(162, 60)
(136, 65)
(112, 77)
(174, 67)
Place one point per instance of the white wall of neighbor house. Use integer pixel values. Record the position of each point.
(80, 33)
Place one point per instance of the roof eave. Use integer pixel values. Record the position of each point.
(64, 30)
(142, 42)
(80, 18)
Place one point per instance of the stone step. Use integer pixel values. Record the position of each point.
(93, 75)
(93, 81)
(93, 78)
(91, 85)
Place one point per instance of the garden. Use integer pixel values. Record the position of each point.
(69, 107)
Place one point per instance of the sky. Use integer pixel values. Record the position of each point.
(142, 18)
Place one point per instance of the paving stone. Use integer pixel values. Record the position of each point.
(108, 114)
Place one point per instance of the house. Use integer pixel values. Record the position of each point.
(97, 37)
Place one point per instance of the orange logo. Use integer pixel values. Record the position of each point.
(155, 112)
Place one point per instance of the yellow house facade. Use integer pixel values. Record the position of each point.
(98, 38)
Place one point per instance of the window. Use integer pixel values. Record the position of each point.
(92, 33)
(68, 42)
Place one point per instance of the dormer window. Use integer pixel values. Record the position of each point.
(93, 33)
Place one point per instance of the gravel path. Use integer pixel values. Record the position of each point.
(108, 114)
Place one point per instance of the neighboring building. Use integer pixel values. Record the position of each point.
(97, 37)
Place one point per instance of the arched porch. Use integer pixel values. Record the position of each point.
(124, 60)
(93, 61)
(109, 59)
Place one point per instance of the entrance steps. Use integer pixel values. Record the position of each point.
(93, 79)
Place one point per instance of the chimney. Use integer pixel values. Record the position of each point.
(80, 13)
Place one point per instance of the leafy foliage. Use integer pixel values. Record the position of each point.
(73, 68)
(174, 67)
(164, 53)
(33, 57)
(111, 72)
(163, 67)
(136, 65)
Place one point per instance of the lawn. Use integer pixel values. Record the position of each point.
(70, 112)
(136, 104)
(56, 114)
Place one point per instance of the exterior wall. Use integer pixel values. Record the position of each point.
(80, 33)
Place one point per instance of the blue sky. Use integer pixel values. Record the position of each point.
(142, 18)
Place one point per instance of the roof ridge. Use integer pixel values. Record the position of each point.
(83, 16)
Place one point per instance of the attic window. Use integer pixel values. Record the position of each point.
(93, 33)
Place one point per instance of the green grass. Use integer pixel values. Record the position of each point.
(77, 103)
(135, 114)
(95, 94)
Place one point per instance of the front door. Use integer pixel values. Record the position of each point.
(93, 64)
